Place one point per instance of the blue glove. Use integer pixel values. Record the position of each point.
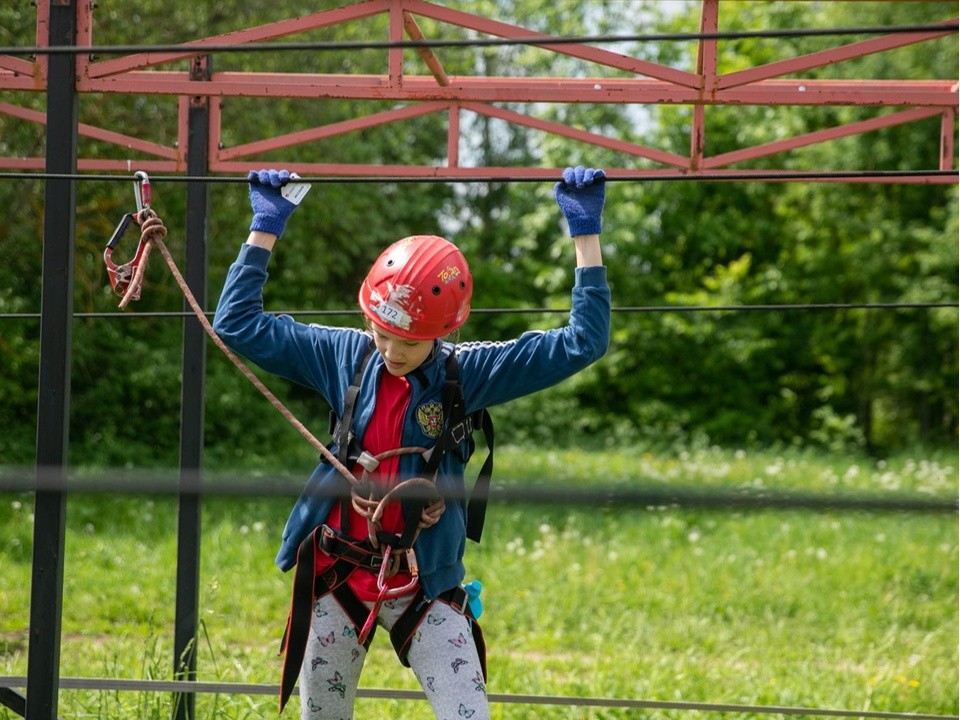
(270, 209)
(580, 196)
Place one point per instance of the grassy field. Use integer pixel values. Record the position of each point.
(837, 609)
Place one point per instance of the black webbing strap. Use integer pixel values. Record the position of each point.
(459, 427)
(454, 413)
(293, 645)
(343, 430)
(355, 610)
(477, 507)
(406, 625)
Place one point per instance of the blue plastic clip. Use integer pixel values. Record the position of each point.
(473, 589)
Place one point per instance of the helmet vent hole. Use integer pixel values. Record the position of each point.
(436, 290)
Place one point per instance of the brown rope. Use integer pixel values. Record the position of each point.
(136, 283)
(152, 233)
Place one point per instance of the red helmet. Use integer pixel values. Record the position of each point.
(419, 288)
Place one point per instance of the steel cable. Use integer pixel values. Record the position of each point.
(203, 49)
(549, 175)
(640, 493)
(199, 686)
(623, 310)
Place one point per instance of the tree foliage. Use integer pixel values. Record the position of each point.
(872, 378)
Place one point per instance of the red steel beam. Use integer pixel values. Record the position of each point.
(832, 56)
(707, 71)
(426, 54)
(93, 132)
(646, 83)
(880, 93)
(261, 33)
(603, 58)
(820, 136)
(331, 130)
(584, 136)
(947, 125)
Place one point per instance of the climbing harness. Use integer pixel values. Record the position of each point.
(124, 278)
(458, 428)
(382, 552)
(352, 555)
(382, 549)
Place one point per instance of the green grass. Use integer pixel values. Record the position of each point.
(832, 610)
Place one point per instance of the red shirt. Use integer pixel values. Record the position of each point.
(383, 433)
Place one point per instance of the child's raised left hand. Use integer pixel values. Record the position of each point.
(580, 195)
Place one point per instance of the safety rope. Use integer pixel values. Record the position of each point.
(363, 494)
(152, 233)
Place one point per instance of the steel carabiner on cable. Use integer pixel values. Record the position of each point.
(122, 275)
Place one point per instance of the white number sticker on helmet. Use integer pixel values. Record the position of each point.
(393, 315)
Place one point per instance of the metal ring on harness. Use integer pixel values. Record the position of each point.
(417, 494)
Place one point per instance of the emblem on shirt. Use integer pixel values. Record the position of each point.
(430, 417)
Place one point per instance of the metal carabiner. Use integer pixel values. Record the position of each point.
(122, 275)
(390, 566)
(142, 194)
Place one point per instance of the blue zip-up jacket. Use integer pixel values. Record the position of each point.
(326, 359)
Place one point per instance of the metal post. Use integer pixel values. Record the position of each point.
(191, 404)
(53, 404)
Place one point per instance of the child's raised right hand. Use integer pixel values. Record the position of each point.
(273, 198)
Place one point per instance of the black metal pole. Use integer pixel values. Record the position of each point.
(191, 404)
(53, 403)
(15, 701)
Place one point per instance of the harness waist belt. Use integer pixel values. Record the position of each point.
(357, 552)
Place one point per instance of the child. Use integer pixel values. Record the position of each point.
(363, 560)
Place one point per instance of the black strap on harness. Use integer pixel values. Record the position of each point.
(307, 587)
(348, 446)
(401, 635)
(458, 427)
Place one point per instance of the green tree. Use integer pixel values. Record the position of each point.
(872, 378)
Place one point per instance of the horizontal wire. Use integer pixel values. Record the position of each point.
(637, 309)
(644, 494)
(746, 175)
(482, 42)
(233, 688)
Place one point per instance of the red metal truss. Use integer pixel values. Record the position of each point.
(637, 82)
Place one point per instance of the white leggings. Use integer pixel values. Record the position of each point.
(442, 654)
